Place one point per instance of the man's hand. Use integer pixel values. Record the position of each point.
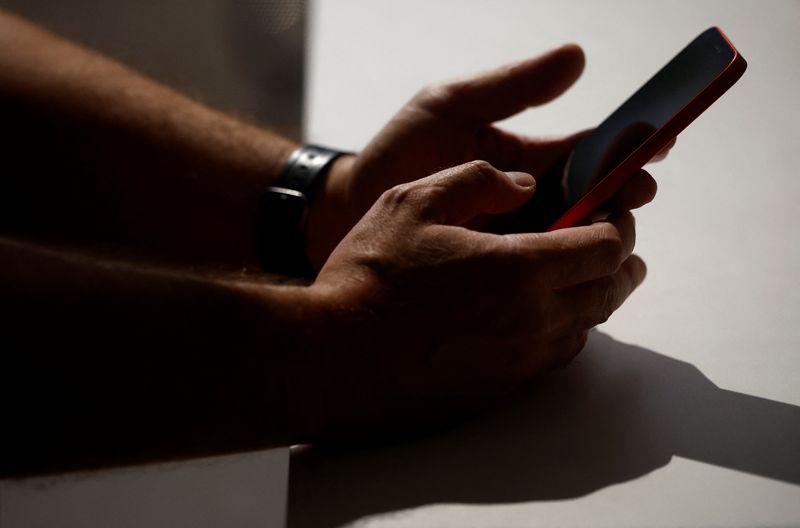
(448, 124)
(445, 125)
(430, 320)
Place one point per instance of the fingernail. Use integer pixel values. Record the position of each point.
(523, 179)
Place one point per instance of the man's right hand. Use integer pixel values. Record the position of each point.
(420, 318)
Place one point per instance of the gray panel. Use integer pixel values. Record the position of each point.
(246, 56)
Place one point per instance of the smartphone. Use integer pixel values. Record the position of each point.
(631, 136)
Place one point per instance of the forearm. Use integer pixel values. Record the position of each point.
(95, 153)
(105, 363)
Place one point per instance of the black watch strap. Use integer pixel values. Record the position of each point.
(283, 208)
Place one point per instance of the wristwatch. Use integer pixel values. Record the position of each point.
(283, 208)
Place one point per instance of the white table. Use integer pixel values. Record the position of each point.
(237, 491)
(684, 409)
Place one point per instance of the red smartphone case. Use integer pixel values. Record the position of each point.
(606, 187)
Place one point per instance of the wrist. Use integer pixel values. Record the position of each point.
(284, 208)
(286, 325)
(301, 334)
(330, 214)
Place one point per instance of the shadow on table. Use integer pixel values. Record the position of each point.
(615, 414)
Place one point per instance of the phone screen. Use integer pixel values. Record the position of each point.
(647, 110)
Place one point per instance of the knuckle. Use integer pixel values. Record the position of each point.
(436, 96)
(407, 200)
(611, 248)
(514, 256)
(483, 173)
(609, 303)
(483, 168)
(511, 70)
(397, 196)
(513, 250)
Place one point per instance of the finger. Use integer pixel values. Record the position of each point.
(537, 357)
(507, 90)
(574, 255)
(638, 190)
(662, 154)
(509, 151)
(592, 303)
(456, 195)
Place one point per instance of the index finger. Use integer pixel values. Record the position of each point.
(574, 255)
(507, 90)
(638, 190)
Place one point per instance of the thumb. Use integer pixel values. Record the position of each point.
(457, 195)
